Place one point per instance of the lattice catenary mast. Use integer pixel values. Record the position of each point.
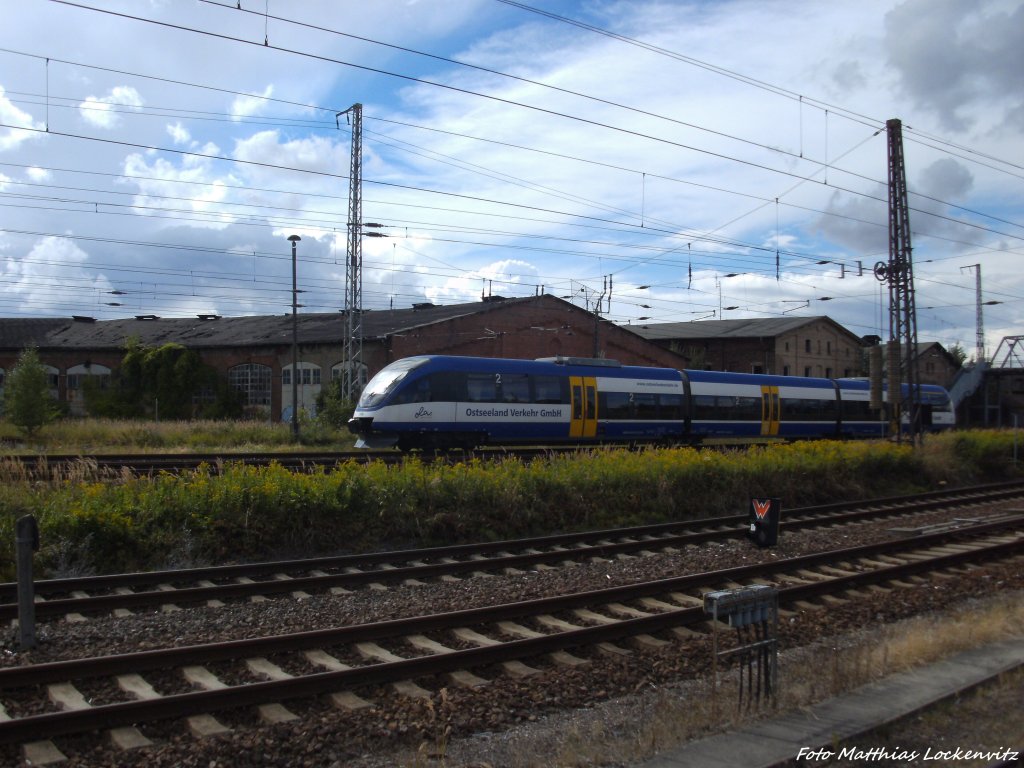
(979, 352)
(899, 274)
(352, 346)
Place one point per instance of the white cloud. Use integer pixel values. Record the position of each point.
(37, 174)
(191, 191)
(102, 111)
(12, 138)
(253, 104)
(53, 274)
(179, 133)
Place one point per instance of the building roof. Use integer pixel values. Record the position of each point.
(23, 332)
(759, 327)
(216, 331)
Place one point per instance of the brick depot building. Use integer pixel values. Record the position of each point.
(786, 346)
(255, 353)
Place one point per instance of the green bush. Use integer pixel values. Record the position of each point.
(247, 513)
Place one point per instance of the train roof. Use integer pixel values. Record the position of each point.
(769, 379)
(551, 365)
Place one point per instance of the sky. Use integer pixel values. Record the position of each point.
(653, 161)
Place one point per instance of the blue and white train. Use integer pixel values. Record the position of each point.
(440, 402)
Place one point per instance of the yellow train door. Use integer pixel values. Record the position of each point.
(583, 391)
(769, 411)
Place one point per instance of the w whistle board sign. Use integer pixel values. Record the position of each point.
(764, 521)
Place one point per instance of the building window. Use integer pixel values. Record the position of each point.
(807, 345)
(807, 371)
(78, 374)
(828, 373)
(253, 381)
(785, 370)
(828, 347)
(307, 375)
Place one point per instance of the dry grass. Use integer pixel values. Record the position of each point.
(628, 733)
(890, 649)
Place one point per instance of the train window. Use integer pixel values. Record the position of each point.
(482, 387)
(857, 410)
(808, 409)
(740, 408)
(671, 407)
(515, 388)
(645, 406)
(548, 389)
(704, 407)
(792, 409)
(829, 410)
(614, 405)
(447, 387)
(577, 401)
(387, 380)
(416, 391)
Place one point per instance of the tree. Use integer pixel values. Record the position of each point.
(165, 382)
(959, 353)
(332, 407)
(27, 398)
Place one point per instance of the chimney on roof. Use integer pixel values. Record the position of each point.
(208, 317)
(83, 319)
(423, 305)
(147, 317)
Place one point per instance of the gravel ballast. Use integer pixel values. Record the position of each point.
(589, 715)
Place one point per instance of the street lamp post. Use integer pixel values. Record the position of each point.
(295, 343)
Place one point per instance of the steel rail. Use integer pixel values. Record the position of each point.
(652, 537)
(148, 463)
(12, 677)
(104, 716)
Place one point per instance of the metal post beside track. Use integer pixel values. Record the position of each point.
(26, 537)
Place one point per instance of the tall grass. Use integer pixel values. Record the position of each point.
(94, 435)
(89, 525)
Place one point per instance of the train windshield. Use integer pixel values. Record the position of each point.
(384, 383)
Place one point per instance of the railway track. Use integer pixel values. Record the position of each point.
(126, 695)
(82, 596)
(115, 465)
